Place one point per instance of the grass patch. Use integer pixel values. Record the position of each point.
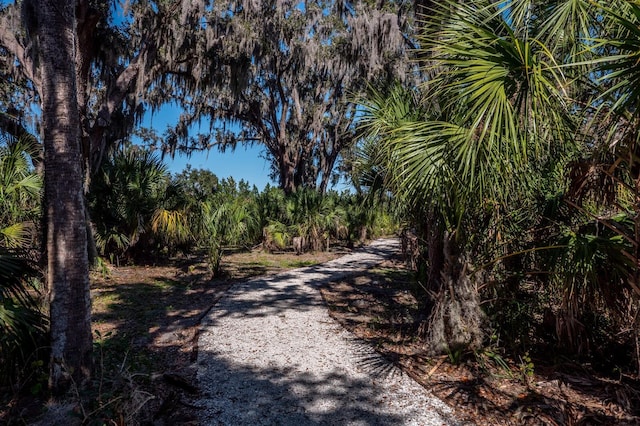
(299, 263)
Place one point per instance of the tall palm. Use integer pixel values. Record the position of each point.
(469, 144)
(67, 256)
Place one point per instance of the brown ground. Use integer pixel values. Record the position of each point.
(483, 389)
(156, 312)
(146, 321)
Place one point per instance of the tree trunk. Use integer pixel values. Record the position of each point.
(86, 21)
(456, 319)
(327, 164)
(287, 175)
(66, 238)
(363, 234)
(435, 252)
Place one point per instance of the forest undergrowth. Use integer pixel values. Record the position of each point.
(146, 320)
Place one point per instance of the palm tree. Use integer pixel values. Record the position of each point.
(20, 190)
(23, 324)
(231, 222)
(519, 96)
(595, 264)
(468, 145)
(134, 205)
(315, 216)
(66, 238)
(605, 185)
(274, 218)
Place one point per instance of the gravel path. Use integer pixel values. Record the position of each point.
(270, 354)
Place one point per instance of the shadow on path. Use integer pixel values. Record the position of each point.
(247, 395)
(269, 354)
(297, 289)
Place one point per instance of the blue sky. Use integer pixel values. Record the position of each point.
(247, 163)
(243, 163)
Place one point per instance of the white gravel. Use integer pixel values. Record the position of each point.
(270, 354)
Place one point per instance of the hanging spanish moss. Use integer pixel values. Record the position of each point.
(285, 75)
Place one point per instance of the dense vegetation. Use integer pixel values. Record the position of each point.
(507, 146)
(517, 161)
(23, 324)
(142, 214)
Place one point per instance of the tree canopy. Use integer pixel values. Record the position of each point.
(121, 52)
(285, 74)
